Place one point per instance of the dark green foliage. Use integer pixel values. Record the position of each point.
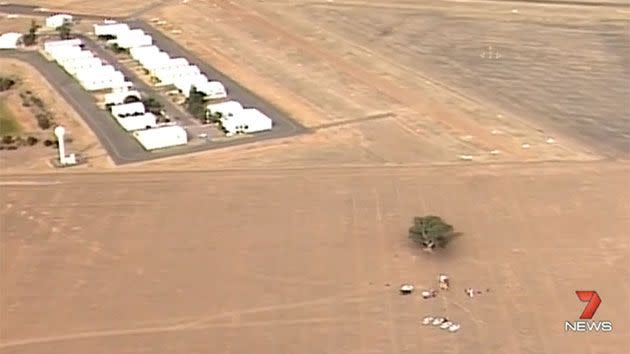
(431, 232)
(152, 105)
(31, 37)
(7, 139)
(65, 30)
(106, 37)
(196, 104)
(31, 140)
(43, 120)
(48, 142)
(118, 50)
(6, 83)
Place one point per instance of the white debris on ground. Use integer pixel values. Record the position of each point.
(406, 289)
(428, 294)
(427, 320)
(444, 281)
(525, 146)
(550, 140)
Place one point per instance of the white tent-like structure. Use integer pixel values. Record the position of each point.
(100, 78)
(162, 137)
(213, 90)
(129, 109)
(141, 122)
(249, 120)
(58, 20)
(133, 38)
(143, 51)
(64, 52)
(152, 62)
(10, 40)
(108, 29)
(119, 97)
(76, 66)
(80, 56)
(171, 64)
(226, 109)
(48, 45)
(168, 75)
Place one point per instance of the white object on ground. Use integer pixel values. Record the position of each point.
(551, 141)
(438, 321)
(427, 320)
(525, 146)
(446, 324)
(454, 328)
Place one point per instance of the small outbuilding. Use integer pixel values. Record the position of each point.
(162, 137)
(49, 45)
(75, 66)
(58, 20)
(141, 122)
(213, 90)
(128, 109)
(152, 62)
(10, 40)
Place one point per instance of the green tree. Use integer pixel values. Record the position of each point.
(196, 104)
(65, 30)
(431, 232)
(31, 37)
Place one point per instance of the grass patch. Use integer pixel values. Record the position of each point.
(8, 124)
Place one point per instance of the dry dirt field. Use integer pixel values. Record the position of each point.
(233, 262)
(298, 245)
(95, 7)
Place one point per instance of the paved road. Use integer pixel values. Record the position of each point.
(121, 146)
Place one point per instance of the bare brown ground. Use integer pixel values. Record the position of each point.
(91, 7)
(235, 262)
(37, 158)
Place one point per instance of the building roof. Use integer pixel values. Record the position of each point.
(162, 137)
(233, 107)
(134, 107)
(9, 40)
(138, 122)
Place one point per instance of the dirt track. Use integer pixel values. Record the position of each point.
(309, 275)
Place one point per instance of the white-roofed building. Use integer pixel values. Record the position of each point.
(183, 84)
(110, 29)
(171, 64)
(82, 55)
(144, 51)
(133, 38)
(213, 90)
(249, 120)
(140, 122)
(10, 40)
(63, 53)
(128, 109)
(152, 62)
(122, 97)
(100, 79)
(169, 75)
(162, 137)
(85, 64)
(58, 20)
(76, 42)
(225, 109)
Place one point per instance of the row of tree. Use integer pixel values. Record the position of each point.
(30, 38)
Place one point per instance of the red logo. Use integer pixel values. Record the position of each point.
(593, 300)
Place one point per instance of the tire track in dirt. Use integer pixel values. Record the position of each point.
(456, 125)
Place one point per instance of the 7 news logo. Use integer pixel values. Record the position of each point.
(594, 301)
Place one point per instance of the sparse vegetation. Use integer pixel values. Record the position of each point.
(152, 105)
(431, 232)
(196, 104)
(106, 37)
(65, 30)
(118, 50)
(31, 140)
(30, 38)
(8, 123)
(6, 83)
(44, 118)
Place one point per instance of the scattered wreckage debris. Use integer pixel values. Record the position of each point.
(428, 294)
(444, 281)
(442, 323)
(406, 289)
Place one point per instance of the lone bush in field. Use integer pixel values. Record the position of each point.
(431, 232)
(65, 31)
(30, 38)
